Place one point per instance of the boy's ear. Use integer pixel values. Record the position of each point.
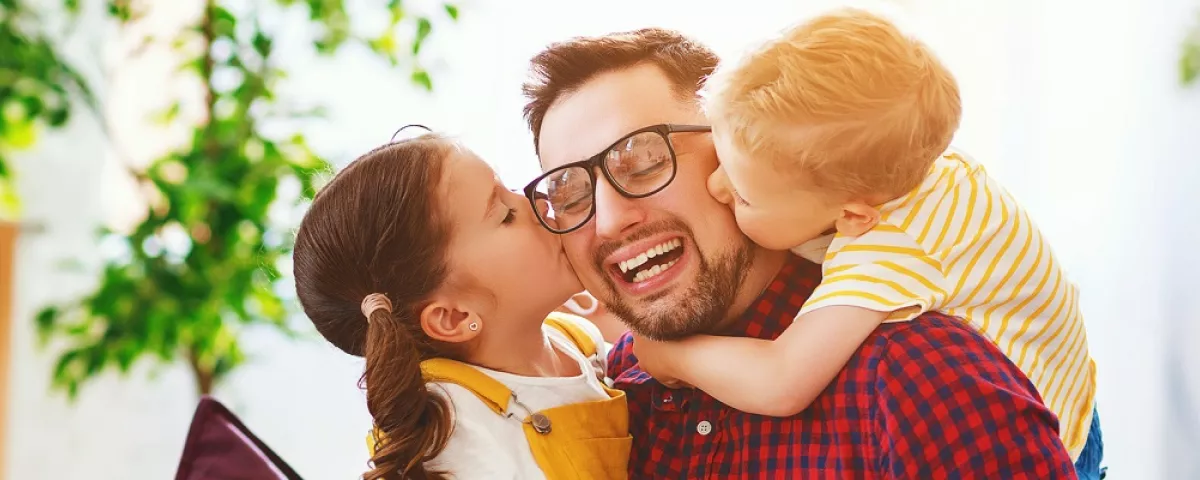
(857, 219)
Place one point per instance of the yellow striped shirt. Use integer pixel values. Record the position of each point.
(961, 245)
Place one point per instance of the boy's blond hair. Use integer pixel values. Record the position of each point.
(847, 100)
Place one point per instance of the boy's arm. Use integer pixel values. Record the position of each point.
(777, 378)
(881, 275)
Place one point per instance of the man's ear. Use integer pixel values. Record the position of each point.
(450, 322)
(857, 218)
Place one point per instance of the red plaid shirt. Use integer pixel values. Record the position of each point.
(924, 399)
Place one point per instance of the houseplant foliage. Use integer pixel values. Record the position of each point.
(1189, 61)
(37, 90)
(202, 265)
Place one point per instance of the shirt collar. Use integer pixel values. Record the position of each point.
(773, 311)
(768, 316)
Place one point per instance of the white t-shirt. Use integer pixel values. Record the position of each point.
(814, 250)
(486, 445)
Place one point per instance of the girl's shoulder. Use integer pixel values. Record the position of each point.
(475, 449)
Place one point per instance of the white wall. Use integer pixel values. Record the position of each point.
(1177, 173)
(1071, 103)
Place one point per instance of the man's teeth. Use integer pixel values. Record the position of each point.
(651, 252)
(652, 272)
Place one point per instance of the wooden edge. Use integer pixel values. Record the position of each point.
(8, 244)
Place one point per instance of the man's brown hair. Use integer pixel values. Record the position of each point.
(565, 66)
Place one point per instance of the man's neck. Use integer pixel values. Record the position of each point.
(763, 270)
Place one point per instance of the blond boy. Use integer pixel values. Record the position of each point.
(843, 124)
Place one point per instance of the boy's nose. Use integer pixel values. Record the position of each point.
(718, 186)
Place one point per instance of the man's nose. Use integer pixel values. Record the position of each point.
(718, 186)
(614, 212)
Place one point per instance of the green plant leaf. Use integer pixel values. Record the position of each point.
(10, 203)
(424, 28)
(1189, 59)
(19, 135)
(169, 115)
(33, 106)
(421, 78)
(58, 117)
(1189, 63)
(45, 320)
(121, 10)
(224, 23)
(262, 43)
(451, 10)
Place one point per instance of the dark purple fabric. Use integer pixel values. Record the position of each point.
(220, 447)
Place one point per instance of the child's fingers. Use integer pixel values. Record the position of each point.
(673, 383)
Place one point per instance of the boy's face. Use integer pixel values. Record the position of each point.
(769, 206)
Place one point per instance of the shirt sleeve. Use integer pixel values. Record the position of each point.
(884, 270)
(620, 356)
(473, 452)
(950, 405)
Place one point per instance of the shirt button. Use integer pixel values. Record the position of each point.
(704, 428)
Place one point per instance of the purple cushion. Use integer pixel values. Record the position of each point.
(220, 447)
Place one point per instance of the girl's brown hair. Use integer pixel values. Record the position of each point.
(378, 227)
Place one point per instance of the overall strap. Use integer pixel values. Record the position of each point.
(490, 391)
(493, 393)
(565, 323)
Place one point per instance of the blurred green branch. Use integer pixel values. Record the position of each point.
(38, 89)
(204, 262)
(1189, 61)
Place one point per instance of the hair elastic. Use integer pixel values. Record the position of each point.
(373, 302)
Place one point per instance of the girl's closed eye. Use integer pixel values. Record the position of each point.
(510, 216)
(740, 201)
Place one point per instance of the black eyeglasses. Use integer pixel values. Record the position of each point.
(638, 165)
(411, 125)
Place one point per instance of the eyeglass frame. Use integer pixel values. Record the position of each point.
(596, 161)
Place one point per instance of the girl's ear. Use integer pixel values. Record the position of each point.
(450, 322)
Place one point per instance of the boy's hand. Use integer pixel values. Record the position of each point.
(657, 359)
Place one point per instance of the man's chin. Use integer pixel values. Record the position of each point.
(667, 316)
(694, 300)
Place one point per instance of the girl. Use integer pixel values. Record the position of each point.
(417, 258)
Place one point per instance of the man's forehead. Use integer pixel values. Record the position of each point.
(582, 123)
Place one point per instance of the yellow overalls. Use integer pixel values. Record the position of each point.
(580, 441)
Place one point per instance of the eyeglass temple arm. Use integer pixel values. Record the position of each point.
(688, 128)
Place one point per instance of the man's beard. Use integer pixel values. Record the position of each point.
(700, 309)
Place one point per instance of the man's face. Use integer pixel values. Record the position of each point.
(693, 291)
